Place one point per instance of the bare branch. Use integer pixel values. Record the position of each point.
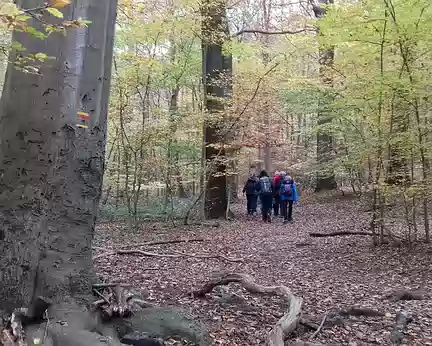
(278, 32)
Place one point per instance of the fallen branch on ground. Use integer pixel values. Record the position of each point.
(133, 252)
(306, 343)
(337, 318)
(404, 295)
(319, 327)
(162, 242)
(228, 259)
(288, 322)
(338, 234)
(359, 311)
(152, 254)
(308, 324)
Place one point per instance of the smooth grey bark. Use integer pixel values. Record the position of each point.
(51, 171)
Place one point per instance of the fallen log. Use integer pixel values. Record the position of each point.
(286, 324)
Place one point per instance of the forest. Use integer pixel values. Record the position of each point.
(137, 138)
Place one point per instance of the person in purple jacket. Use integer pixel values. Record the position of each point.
(288, 195)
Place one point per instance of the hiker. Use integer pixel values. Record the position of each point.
(288, 194)
(276, 194)
(266, 195)
(251, 190)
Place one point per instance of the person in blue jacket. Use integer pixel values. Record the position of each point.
(288, 195)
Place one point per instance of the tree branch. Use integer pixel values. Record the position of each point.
(264, 32)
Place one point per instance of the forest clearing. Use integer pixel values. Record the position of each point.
(215, 172)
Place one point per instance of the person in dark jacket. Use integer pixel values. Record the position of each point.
(276, 194)
(251, 190)
(266, 195)
(289, 195)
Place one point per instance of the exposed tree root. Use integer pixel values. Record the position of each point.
(119, 301)
(289, 321)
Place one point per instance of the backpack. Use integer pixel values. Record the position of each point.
(287, 189)
(265, 185)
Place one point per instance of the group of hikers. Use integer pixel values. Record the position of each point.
(278, 194)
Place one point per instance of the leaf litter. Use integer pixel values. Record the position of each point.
(330, 274)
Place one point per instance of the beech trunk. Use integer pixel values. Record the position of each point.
(51, 170)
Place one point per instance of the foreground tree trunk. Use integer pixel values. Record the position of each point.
(51, 169)
(213, 12)
(325, 177)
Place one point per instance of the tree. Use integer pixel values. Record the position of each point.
(325, 180)
(213, 34)
(51, 168)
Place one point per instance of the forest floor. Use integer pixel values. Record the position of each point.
(329, 273)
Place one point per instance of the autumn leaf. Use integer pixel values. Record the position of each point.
(60, 3)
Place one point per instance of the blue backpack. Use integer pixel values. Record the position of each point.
(287, 188)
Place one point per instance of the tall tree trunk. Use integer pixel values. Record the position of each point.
(213, 13)
(325, 178)
(51, 169)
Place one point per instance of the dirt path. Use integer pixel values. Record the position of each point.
(329, 273)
